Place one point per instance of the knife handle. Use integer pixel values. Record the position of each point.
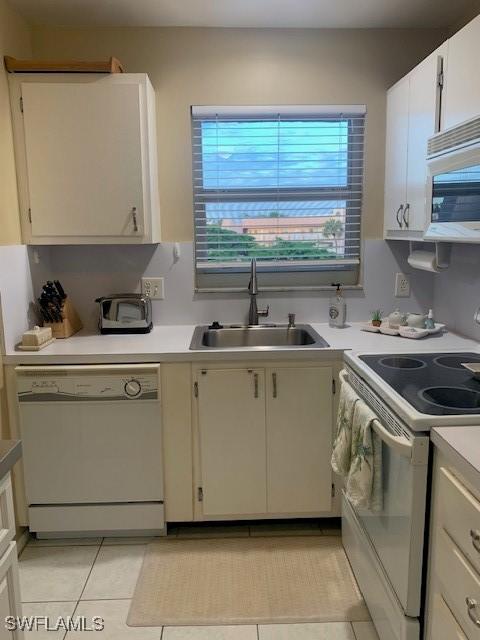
(60, 289)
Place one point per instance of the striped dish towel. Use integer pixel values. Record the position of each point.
(364, 484)
(342, 447)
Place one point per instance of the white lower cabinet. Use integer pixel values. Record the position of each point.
(10, 606)
(231, 417)
(264, 441)
(9, 583)
(7, 514)
(453, 611)
(299, 439)
(444, 625)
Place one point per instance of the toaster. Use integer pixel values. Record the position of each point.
(125, 313)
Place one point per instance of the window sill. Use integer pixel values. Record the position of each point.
(348, 287)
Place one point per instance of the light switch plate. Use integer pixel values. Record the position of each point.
(154, 288)
(402, 286)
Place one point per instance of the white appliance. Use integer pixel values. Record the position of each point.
(386, 549)
(92, 449)
(410, 394)
(453, 202)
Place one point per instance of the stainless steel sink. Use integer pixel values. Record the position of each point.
(272, 336)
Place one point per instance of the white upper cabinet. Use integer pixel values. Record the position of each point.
(396, 155)
(423, 122)
(86, 157)
(413, 115)
(462, 80)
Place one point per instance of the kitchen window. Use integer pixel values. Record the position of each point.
(282, 185)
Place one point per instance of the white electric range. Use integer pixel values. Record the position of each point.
(410, 394)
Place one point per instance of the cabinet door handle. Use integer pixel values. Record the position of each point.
(472, 611)
(274, 384)
(475, 535)
(255, 385)
(399, 211)
(406, 215)
(134, 219)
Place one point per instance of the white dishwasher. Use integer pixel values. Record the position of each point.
(92, 449)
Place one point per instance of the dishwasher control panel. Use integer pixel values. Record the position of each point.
(69, 387)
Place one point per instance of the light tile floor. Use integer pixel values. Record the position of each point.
(96, 577)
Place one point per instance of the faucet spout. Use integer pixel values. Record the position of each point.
(253, 312)
(253, 285)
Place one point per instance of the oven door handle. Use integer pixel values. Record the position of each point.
(400, 444)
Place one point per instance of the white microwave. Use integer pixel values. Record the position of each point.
(453, 184)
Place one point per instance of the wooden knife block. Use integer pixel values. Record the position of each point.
(70, 324)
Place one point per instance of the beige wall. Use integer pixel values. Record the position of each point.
(250, 66)
(14, 41)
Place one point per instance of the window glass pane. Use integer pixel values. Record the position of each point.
(285, 231)
(281, 187)
(266, 154)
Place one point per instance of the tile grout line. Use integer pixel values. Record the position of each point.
(353, 631)
(56, 546)
(90, 572)
(103, 599)
(87, 578)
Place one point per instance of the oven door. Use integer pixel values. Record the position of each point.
(396, 534)
(454, 195)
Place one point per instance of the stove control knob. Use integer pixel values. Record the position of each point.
(133, 388)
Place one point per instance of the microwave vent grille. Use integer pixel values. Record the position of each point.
(459, 136)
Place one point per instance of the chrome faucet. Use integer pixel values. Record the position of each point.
(254, 313)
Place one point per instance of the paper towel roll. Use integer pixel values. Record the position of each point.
(425, 260)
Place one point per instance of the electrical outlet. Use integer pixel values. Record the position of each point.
(402, 286)
(153, 288)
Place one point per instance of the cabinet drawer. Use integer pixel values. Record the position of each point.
(7, 515)
(9, 592)
(459, 515)
(458, 582)
(443, 624)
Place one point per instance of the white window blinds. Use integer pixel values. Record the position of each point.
(281, 184)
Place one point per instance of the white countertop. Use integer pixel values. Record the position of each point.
(461, 446)
(171, 344)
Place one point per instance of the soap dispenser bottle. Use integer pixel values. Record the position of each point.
(337, 310)
(430, 321)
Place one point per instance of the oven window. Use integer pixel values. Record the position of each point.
(456, 195)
